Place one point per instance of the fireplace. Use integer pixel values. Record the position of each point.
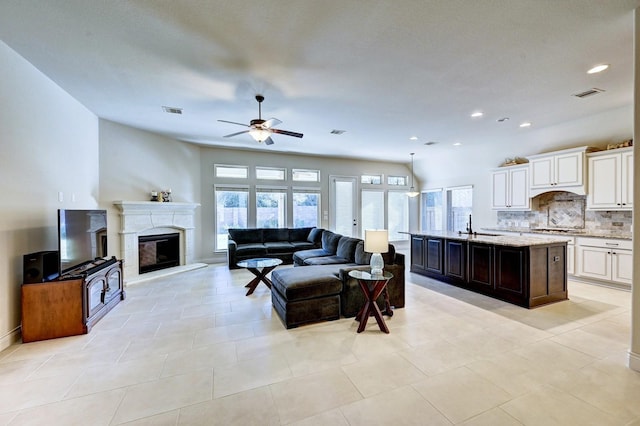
(142, 219)
(157, 252)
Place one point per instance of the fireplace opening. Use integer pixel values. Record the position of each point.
(157, 252)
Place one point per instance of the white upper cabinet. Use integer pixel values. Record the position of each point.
(558, 171)
(510, 188)
(611, 180)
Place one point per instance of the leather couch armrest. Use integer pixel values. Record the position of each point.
(231, 253)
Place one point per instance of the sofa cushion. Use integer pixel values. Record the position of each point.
(330, 241)
(315, 235)
(244, 236)
(347, 248)
(390, 256)
(278, 247)
(299, 234)
(326, 260)
(302, 245)
(306, 283)
(300, 256)
(251, 249)
(275, 234)
(361, 256)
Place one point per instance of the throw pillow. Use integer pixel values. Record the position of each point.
(330, 241)
(362, 257)
(347, 248)
(315, 235)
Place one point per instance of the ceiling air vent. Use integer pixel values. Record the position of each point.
(172, 110)
(430, 143)
(337, 132)
(587, 93)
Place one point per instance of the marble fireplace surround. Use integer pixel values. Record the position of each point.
(152, 218)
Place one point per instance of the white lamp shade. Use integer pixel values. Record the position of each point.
(376, 240)
(260, 135)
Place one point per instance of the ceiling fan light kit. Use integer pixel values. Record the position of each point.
(261, 130)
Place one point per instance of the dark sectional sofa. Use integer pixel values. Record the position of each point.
(280, 243)
(319, 287)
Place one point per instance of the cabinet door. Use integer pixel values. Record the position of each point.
(604, 182)
(568, 169)
(626, 180)
(94, 288)
(113, 281)
(499, 199)
(510, 271)
(434, 255)
(594, 262)
(542, 172)
(519, 189)
(417, 253)
(481, 265)
(622, 266)
(571, 257)
(456, 259)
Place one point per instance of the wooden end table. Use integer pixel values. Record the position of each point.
(372, 286)
(259, 267)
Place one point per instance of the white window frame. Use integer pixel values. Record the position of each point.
(307, 190)
(222, 187)
(423, 225)
(216, 167)
(405, 180)
(282, 170)
(302, 172)
(371, 175)
(278, 189)
(405, 236)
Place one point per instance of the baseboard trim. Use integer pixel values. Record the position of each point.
(10, 338)
(634, 361)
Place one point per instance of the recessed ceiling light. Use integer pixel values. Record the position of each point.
(413, 138)
(525, 124)
(457, 144)
(598, 68)
(477, 114)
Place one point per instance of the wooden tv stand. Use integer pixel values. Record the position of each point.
(72, 304)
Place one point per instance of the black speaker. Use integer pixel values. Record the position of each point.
(40, 267)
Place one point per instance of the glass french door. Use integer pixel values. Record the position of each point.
(343, 210)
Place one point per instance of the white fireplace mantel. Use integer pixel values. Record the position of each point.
(151, 218)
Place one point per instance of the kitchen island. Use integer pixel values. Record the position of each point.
(526, 271)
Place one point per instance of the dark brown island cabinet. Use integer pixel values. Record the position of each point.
(72, 304)
(525, 271)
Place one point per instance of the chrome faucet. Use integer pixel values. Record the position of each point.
(469, 228)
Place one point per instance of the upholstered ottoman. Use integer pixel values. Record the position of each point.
(304, 295)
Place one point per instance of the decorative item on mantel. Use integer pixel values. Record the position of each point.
(162, 196)
(627, 143)
(513, 161)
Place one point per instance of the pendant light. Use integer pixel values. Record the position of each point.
(412, 191)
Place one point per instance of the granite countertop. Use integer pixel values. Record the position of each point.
(570, 233)
(500, 240)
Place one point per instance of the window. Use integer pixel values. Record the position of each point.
(372, 210)
(238, 172)
(300, 175)
(231, 212)
(397, 180)
(271, 206)
(459, 207)
(271, 173)
(371, 179)
(306, 208)
(432, 210)
(398, 215)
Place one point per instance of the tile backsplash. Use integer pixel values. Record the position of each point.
(567, 211)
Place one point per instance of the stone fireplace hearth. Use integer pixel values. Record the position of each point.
(143, 218)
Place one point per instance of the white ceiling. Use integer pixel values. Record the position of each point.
(382, 70)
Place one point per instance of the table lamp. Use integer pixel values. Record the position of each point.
(376, 241)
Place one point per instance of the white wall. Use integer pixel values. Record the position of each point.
(328, 166)
(48, 144)
(134, 162)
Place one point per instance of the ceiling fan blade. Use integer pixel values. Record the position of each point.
(287, 132)
(235, 134)
(268, 141)
(233, 122)
(271, 122)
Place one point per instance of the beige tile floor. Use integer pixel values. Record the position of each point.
(191, 349)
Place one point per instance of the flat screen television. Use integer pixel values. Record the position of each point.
(82, 237)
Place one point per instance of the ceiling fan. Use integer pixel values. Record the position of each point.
(260, 129)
